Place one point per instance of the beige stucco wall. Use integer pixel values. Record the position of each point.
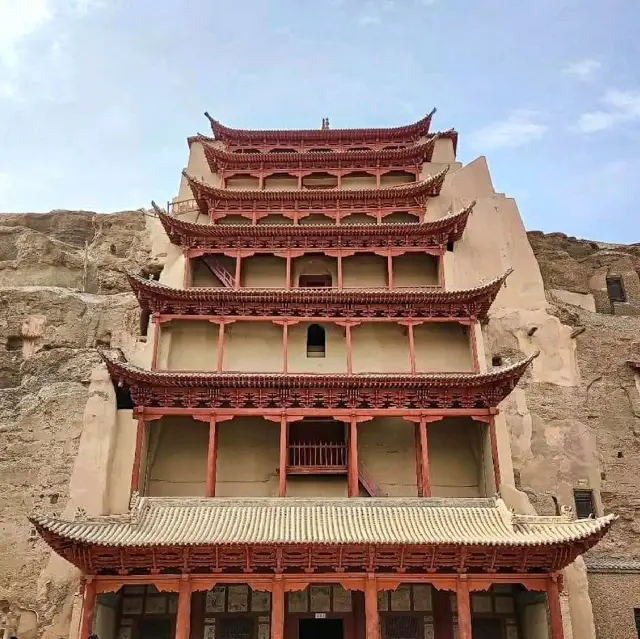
(386, 448)
(415, 269)
(189, 345)
(457, 462)
(263, 271)
(364, 271)
(252, 346)
(380, 347)
(248, 454)
(198, 167)
(442, 348)
(122, 461)
(335, 359)
(177, 457)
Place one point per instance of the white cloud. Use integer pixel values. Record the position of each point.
(583, 69)
(20, 20)
(621, 106)
(519, 128)
(34, 30)
(374, 11)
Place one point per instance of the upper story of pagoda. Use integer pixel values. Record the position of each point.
(321, 140)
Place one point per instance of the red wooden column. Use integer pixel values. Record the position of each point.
(474, 346)
(442, 614)
(390, 270)
(88, 607)
(347, 329)
(339, 258)
(285, 346)
(212, 457)
(494, 452)
(137, 455)
(220, 346)
(352, 464)
(186, 278)
(412, 348)
(422, 459)
(464, 608)
(371, 607)
(183, 617)
(155, 336)
(236, 279)
(284, 431)
(277, 608)
(555, 613)
(288, 270)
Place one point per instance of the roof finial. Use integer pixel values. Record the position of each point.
(325, 124)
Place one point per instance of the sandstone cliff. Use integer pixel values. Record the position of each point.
(63, 293)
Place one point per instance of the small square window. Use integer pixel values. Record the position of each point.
(585, 505)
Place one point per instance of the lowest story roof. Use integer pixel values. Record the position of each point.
(410, 132)
(352, 521)
(321, 302)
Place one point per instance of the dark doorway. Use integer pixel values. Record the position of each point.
(487, 629)
(150, 628)
(320, 629)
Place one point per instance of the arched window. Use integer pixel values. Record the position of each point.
(316, 341)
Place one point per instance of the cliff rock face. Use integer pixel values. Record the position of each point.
(63, 295)
(573, 422)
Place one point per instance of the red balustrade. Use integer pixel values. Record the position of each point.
(318, 457)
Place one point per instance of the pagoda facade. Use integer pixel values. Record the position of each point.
(315, 440)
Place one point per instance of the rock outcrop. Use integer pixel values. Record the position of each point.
(63, 296)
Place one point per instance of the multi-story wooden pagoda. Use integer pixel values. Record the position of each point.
(317, 450)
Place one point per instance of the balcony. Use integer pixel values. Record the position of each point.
(317, 458)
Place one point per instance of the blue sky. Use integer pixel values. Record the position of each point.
(97, 97)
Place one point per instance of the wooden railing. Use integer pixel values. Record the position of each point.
(317, 457)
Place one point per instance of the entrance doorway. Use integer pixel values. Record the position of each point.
(150, 628)
(320, 629)
(487, 628)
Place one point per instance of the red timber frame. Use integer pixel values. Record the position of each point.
(296, 204)
(334, 139)
(352, 399)
(262, 165)
(431, 236)
(368, 583)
